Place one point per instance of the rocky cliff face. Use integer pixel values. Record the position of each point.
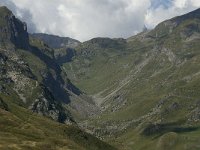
(13, 32)
(57, 80)
(17, 77)
(29, 68)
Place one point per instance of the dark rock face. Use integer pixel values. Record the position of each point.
(47, 106)
(57, 83)
(13, 32)
(19, 35)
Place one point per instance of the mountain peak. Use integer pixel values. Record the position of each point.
(13, 32)
(4, 11)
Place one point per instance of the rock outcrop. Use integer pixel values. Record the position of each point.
(13, 32)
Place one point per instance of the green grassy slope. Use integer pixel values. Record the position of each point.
(22, 129)
(147, 86)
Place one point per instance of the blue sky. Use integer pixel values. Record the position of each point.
(86, 19)
(157, 3)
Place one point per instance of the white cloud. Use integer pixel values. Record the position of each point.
(177, 8)
(85, 19)
(180, 3)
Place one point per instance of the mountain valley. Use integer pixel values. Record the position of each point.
(128, 94)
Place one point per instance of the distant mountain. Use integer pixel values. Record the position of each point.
(56, 42)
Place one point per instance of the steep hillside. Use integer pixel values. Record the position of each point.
(95, 62)
(16, 75)
(35, 95)
(146, 86)
(40, 72)
(62, 46)
(17, 78)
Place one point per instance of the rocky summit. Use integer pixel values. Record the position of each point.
(13, 32)
(103, 94)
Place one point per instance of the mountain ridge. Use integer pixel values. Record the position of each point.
(148, 85)
(55, 41)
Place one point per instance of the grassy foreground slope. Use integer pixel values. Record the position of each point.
(22, 129)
